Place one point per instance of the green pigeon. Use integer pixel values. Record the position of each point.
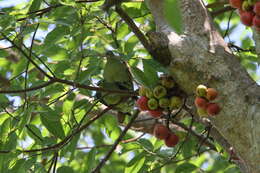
(116, 71)
(116, 77)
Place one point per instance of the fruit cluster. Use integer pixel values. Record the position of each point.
(163, 97)
(163, 133)
(203, 101)
(249, 12)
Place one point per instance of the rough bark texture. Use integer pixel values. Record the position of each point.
(200, 56)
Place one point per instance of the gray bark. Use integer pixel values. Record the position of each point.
(200, 56)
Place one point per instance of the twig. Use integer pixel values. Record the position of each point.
(67, 138)
(27, 56)
(217, 4)
(135, 29)
(229, 19)
(223, 10)
(103, 161)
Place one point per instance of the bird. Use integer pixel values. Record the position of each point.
(116, 76)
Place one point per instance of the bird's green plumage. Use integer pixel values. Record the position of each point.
(116, 71)
(117, 77)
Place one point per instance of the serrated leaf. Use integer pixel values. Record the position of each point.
(173, 14)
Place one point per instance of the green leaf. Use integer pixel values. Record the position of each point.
(185, 168)
(90, 161)
(65, 169)
(34, 132)
(55, 35)
(36, 4)
(146, 143)
(173, 14)
(150, 72)
(140, 77)
(25, 118)
(135, 164)
(18, 167)
(51, 120)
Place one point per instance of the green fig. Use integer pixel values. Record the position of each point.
(159, 91)
(175, 102)
(148, 93)
(202, 112)
(142, 91)
(201, 91)
(167, 82)
(164, 103)
(152, 104)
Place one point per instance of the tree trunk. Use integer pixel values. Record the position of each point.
(200, 56)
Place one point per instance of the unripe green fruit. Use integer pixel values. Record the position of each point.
(251, 2)
(148, 93)
(167, 82)
(246, 6)
(159, 91)
(201, 91)
(152, 104)
(164, 103)
(202, 112)
(142, 91)
(175, 102)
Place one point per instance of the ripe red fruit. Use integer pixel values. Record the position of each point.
(142, 103)
(256, 21)
(213, 109)
(201, 102)
(211, 94)
(156, 113)
(160, 131)
(236, 3)
(257, 8)
(246, 17)
(171, 140)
